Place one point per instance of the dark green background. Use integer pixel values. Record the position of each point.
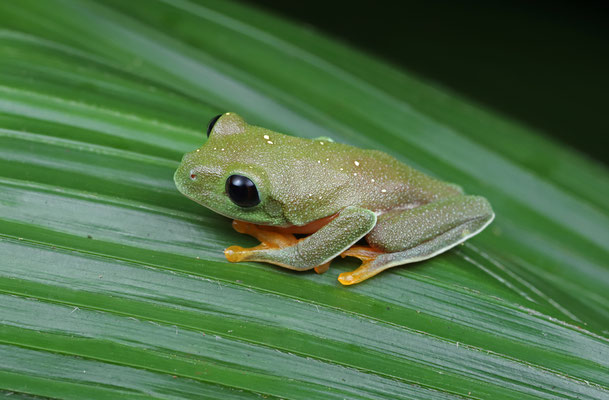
(545, 64)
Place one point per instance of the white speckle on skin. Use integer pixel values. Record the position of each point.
(266, 137)
(341, 169)
(198, 150)
(318, 162)
(372, 180)
(322, 143)
(222, 149)
(269, 142)
(356, 163)
(383, 190)
(355, 174)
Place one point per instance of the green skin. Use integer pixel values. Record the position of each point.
(403, 213)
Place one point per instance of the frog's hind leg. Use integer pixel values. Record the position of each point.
(375, 261)
(407, 236)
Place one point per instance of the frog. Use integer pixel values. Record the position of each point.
(308, 201)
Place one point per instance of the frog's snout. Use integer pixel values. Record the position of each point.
(187, 158)
(187, 164)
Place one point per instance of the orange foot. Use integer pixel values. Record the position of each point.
(320, 269)
(367, 255)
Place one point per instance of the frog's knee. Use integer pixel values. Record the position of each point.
(357, 221)
(456, 188)
(480, 207)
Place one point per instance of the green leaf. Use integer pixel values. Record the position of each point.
(113, 285)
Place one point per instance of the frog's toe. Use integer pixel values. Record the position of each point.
(369, 256)
(367, 270)
(358, 275)
(320, 269)
(236, 253)
(347, 278)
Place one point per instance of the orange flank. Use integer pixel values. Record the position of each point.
(311, 227)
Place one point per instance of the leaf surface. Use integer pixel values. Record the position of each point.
(112, 284)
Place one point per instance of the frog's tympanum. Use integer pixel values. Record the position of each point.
(347, 201)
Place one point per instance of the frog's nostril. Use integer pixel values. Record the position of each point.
(193, 176)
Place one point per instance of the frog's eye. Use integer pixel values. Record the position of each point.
(242, 191)
(212, 122)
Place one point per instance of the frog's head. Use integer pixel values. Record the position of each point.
(225, 176)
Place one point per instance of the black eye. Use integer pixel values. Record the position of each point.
(242, 191)
(211, 124)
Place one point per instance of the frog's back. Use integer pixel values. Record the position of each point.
(335, 175)
(390, 183)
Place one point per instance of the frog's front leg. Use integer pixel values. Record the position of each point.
(269, 239)
(316, 250)
(405, 236)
